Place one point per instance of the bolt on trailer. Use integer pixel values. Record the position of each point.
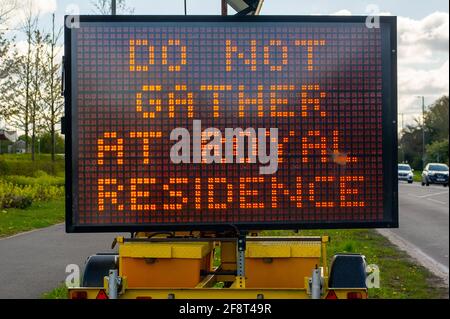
(322, 87)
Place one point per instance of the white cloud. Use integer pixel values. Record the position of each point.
(418, 81)
(414, 82)
(423, 62)
(431, 31)
(370, 10)
(423, 41)
(343, 12)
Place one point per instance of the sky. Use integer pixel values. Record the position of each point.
(423, 33)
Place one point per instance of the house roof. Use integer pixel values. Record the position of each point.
(8, 135)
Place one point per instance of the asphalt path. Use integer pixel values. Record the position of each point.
(424, 219)
(35, 262)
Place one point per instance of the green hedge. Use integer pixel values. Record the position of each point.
(39, 178)
(21, 164)
(22, 196)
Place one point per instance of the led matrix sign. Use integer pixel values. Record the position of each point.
(326, 86)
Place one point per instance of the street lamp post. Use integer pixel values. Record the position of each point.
(224, 8)
(423, 130)
(113, 7)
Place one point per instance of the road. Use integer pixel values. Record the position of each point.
(424, 223)
(35, 262)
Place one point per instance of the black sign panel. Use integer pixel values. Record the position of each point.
(321, 90)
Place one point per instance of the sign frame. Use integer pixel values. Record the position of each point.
(389, 128)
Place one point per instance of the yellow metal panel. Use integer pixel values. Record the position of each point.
(267, 249)
(162, 272)
(281, 264)
(143, 250)
(191, 250)
(306, 250)
(153, 264)
(165, 250)
(228, 255)
(279, 272)
(277, 249)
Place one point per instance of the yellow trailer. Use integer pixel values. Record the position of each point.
(152, 266)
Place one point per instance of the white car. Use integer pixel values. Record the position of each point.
(405, 173)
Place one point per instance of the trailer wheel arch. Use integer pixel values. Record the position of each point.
(97, 267)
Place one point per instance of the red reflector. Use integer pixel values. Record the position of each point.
(78, 294)
(102, 295)
(331, 295)
(354, 295)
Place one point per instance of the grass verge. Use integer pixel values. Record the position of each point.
(400, 276)
(38, 215)
(417, 176)
(60, 292)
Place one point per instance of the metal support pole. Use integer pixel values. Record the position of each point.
(240, 260)
(224, 8)
(423, 131)
(259, 7)
(113, 7)
(402, 126)
(316, 284)
(113, 284)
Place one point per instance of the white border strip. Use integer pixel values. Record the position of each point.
(435, 267)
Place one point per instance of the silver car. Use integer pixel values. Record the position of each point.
(405, 173)
(435, 173)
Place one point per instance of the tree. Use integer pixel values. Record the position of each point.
(51, 143)
(436, 136)
(7, 7)
(411, 145)
(438, 151)
(7, 62)
(105, 7)
(29, 29)
(28, 84)
(8, 67)
(53, 101)
(22, 94)
(37, 109)
(436, 120)
(19, 102)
